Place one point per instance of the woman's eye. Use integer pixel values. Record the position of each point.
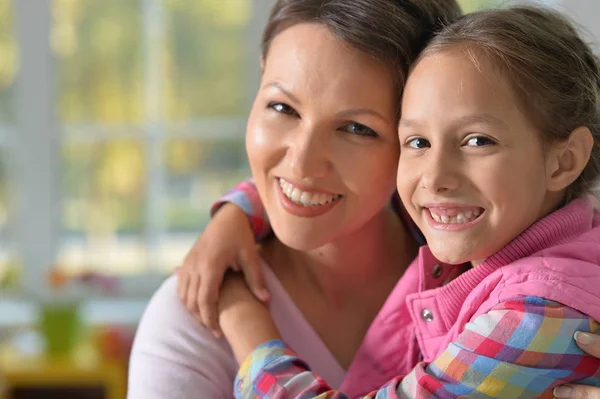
(479, 141)
(282, 108)
(418, 143)
(360, 130)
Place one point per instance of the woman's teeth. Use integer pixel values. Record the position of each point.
(459, 218)
(306, 198)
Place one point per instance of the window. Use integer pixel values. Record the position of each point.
(130, 117)
(152, 100)
(8, 71)
(474, 5)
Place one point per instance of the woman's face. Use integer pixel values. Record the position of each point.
(321, 137)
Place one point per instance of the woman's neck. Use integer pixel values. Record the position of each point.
(371, 259)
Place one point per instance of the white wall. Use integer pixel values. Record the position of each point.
(586, 13)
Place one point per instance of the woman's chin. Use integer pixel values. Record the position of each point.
(300, 240)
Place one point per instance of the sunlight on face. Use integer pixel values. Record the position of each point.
(472, 169)
(321, 137)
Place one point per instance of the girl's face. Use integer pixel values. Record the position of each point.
(321, 137)
(472, 170)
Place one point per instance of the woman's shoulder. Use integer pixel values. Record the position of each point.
(169, 330)
(174, 356)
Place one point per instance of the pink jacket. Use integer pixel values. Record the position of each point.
(557, 258)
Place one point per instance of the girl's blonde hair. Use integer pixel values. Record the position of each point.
(553, 71)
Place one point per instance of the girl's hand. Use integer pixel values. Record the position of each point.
(245, 322)
(590, 343)
(226, 243)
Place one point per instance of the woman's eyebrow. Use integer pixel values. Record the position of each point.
(361, 111)
(282, 89)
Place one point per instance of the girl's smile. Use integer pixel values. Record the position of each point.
(453, 217)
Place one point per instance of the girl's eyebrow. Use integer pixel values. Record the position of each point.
(463, 121)
(408, 123)
(482, 118)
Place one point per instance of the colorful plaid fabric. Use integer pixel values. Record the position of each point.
(246, 197)
(522, 348)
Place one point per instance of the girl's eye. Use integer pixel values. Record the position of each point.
(418, 143)
(479, 141)
(282, 108)
(359, 130)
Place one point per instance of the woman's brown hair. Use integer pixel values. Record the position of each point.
(392, 31)
(553, 71)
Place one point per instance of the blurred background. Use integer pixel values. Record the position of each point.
(120, 122)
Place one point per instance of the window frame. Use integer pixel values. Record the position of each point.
(36, 143)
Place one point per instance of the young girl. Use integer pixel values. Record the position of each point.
(499, 147)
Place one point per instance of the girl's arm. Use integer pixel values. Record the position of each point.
(245, 196)
(245, 321)
(228, 242)
(522, 348)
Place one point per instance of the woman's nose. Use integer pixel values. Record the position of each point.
(309, 155)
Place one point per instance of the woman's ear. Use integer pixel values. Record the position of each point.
(262, 64)
(566, 160)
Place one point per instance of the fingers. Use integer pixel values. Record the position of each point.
(577, 392)
(250, 265)
(207, 301)
(183, 292)
(590, 343)
(191, 302)
(182, 285)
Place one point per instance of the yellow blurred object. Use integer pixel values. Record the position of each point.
(2, 387)
(57, 278)
(86, 368)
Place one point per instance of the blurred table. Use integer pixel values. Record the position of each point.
(84, 374)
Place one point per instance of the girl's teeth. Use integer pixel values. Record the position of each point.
(306, 198)
(460, 218)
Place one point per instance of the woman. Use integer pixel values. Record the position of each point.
(323, 126)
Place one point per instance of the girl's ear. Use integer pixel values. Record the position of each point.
(262, 64)
(566, 160)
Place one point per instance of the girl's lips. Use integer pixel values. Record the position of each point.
(453, 210)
